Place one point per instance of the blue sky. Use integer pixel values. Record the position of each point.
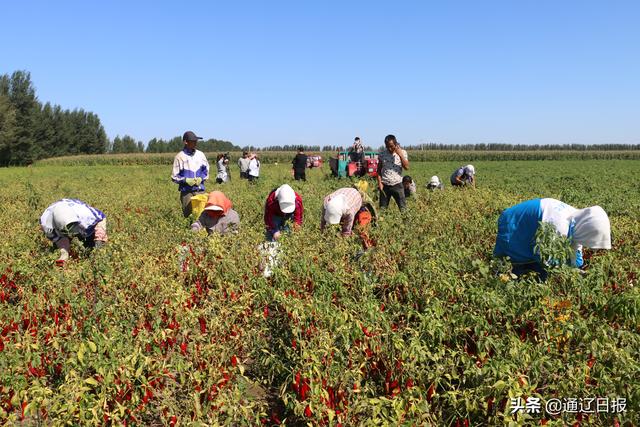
(284, 72)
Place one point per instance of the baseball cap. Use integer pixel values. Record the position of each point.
(286, 198)
(190, 136)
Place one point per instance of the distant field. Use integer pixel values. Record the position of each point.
(286, 156)
(422, 330)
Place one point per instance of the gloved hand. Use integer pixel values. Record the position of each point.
(192, 181)
(64, 255)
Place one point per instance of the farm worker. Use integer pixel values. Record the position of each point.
(518, 224)
(243, 164)
(464, 175)
(221, 166)
(435, 184)
(254, 168)
(357, 151)
(190, 171)
(391, 161)
(409, 186)
(217, 215)
(69, 218)
(341, 207)
(299, 164)
(282, 205)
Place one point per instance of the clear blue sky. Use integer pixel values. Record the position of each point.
(289, 72)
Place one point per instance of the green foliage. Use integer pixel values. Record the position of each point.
(34, 131)
(165, 323)
(553, 248)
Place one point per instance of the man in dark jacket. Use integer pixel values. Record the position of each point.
(299, 165)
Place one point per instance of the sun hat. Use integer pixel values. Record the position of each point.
(334, 209)
(286, 198)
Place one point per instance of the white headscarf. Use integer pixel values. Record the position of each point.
(592, 228)
(335, 209)
(63, 215)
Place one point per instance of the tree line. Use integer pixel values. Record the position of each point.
(30, 130)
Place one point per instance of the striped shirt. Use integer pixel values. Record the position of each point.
(353, 205)
(190, 164)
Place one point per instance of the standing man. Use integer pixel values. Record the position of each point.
(190, 171)
(282, 205)
(243, 163)
(357, 149)
(254, 168)
(391, 161)
(222, 167)
(299, 165)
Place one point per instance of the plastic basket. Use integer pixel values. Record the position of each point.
(197, 204)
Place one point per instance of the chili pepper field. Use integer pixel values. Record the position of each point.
(164, 326)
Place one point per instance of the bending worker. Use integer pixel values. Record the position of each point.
(218, 215)
(69, 218)
(518, 224)
(345, 206)
(282, 205)
(464, 175)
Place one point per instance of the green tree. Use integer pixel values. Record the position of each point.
(7, 126)
(22, 148)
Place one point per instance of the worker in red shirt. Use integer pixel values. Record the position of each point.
(282, 205)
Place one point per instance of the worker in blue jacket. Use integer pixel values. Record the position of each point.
(518, 224)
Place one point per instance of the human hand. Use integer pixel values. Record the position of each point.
(277, 235)
(64, 255)
(380, 186)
